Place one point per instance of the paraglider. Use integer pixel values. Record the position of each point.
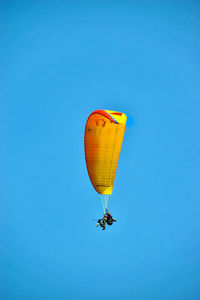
(107, 219)
(104, 132)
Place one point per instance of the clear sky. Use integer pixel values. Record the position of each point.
(60, 60)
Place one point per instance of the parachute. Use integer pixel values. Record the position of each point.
(104, 132)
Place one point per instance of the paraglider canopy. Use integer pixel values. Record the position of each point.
(104, 132)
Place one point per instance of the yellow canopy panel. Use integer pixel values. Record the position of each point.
(104, 132)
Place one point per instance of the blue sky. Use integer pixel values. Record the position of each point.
(60, 61)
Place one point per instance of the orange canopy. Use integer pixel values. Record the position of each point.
(104, 132)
